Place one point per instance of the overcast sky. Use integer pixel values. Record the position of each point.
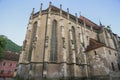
(14, 14)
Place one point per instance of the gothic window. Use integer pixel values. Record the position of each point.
(53, 55)
(113, 68)
(34, 30)
(63, 38)
(72, 38)
(73, 35)
(32, 40)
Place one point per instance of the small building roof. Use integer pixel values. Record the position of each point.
(8, 55)
(94, 44)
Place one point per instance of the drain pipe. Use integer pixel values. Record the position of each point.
(43, 67)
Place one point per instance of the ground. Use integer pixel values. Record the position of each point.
(6, 79)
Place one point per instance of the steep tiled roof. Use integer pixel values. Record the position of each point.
(94, 44)
(8, 55)
(89, 22)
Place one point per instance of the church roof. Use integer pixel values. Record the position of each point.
(94, 44)
(8, 55)
(89, 22)
(81, 19)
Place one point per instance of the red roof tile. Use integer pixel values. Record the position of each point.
(89, 22)
(94, 44)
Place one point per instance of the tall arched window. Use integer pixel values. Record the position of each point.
(73, 35)
(33, 38)
(34, 30)
(73, 41)
(53, 54)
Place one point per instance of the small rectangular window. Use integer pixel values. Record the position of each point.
(95, 52)
(115, 54)
(63, 41)
(9, 71)
(109, 52)
(15, 70)
(119, 66)
(113, 68)
(72, 42)
(87, 37)
(10, 64)
(30, 66)
(2, 71)
(4, 63)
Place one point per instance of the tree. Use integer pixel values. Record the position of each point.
(2, 44)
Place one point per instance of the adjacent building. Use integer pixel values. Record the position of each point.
(8, 64)
(59, 45)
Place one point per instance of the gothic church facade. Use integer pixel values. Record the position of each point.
(59, 45)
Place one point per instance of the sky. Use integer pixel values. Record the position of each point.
(14, 14)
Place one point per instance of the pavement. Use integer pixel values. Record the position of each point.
(6, 79)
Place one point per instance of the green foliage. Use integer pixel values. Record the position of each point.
(10, 45)
(2, 44)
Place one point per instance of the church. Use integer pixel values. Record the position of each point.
(62, 46)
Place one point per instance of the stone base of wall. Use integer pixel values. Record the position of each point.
(73, 78)
(70, 78)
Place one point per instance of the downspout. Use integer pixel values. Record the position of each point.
(84, 53)
(43, 67)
